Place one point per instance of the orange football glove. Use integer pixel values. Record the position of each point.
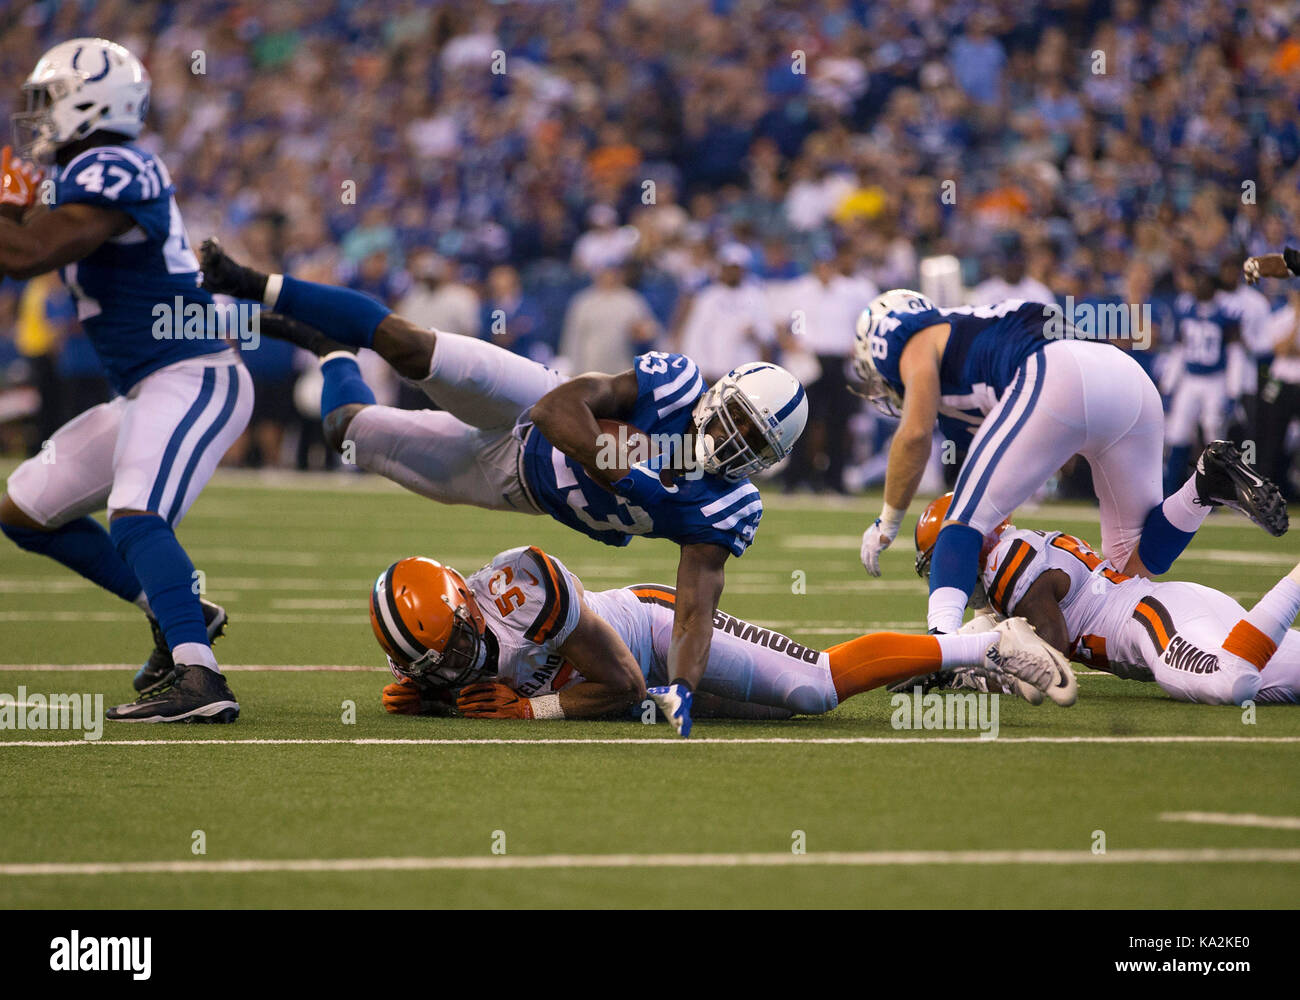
(18, 180)
(492, 701)
(402, 698)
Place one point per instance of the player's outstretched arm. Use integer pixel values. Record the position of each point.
(566, 416)
(1041, 607)
(44, 241)
(701, 573)
(910, 450)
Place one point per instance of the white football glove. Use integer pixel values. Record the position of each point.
(878, 537)
(1251, 270)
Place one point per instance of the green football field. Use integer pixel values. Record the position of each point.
(316, 797)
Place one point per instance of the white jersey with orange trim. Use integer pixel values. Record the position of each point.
(531, 604)
(1098, 607)
(1171, 632)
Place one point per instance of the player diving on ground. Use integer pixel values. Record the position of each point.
(514, 435)
(522, 639)
(1197, 643)
(1027, 398)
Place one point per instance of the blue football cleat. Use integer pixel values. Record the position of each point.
(674, 702)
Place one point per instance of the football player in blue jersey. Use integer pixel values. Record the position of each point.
(1199, 376)
(512, 434)
(1014, 382)
(115, 234)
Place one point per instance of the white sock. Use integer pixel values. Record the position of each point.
(947, 607)
(142, 602)
(195, 654)
(1181, 510)
(1277, 609)
(964, 650)
(274, 282)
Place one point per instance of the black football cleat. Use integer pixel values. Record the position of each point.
(1224, 479)
(188, 694)
(160, 664)
(223, 276)
(278, 326)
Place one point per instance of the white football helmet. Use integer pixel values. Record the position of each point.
(763, 395)
(874, 387)
(78, 87)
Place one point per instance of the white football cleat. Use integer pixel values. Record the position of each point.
(1023, 655)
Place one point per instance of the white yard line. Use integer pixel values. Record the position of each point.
(663, 741)
(774, 859)
(1234, 819)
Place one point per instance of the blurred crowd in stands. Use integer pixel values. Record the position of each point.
(580, 180)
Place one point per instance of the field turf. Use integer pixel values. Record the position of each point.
(306, 803)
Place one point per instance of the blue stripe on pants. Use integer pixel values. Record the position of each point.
(972, 459)
(178, 435)
(967, 510)
(223, 418)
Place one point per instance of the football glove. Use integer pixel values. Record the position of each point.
(875, 540)
(490, 700)
(18, 180)
(406, 697)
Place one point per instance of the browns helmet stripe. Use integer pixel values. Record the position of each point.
(1013, 567)
(390, 620)
(1153, 617)
(555, 606)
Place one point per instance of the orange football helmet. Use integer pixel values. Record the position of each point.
(429, 624)
(927, 533)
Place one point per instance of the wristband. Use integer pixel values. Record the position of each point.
(546, 707)
(891, 518)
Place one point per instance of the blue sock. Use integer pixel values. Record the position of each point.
(347, 316)
(1176, 467)
(343, 384)
(956, 558)
(84, 547)
(149, 546)
(1161, 542)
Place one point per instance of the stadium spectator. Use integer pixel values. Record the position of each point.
(729, 321)
(607, 325)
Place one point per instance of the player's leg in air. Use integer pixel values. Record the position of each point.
(1122, 437)
(462, 453)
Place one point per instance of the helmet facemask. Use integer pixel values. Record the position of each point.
(745, 444)
(463, 661)
(35, 132)
(874, 389)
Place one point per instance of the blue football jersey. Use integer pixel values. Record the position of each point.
(118, 287)
(986, 347)
(1203, 332)
(701, 509)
